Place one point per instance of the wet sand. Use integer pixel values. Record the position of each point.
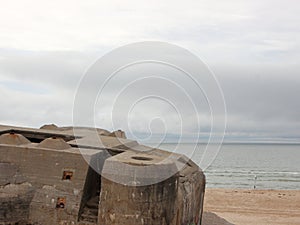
(254, 207)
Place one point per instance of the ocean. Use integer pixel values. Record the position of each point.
(263, 166)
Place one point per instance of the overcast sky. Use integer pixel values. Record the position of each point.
(253, 48)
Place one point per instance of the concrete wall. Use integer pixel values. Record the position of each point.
(128, 195)
(44, 169)
(14, 203)
(154, 204)
(190, 196)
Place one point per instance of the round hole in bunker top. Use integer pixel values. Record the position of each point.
(142, 158)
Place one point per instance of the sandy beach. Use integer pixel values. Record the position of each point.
(254, 207)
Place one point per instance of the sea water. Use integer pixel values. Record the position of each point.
(249, 166)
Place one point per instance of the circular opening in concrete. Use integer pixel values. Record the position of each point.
(141, 158)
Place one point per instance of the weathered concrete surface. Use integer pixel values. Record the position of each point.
(153, 204)
(13, 139)
(55, 177)
(175, 200)
(153, 198)
(10, 174)
(191, 194)
(54, 143)
(43, 207)
(15, 195)
(14, 203)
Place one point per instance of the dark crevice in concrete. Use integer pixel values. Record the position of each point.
(37, 137)
(90, 199)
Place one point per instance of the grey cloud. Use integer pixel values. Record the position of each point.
(54, 69)
(261, 99)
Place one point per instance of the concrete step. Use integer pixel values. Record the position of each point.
(93, 204)
(86, 223)
(89, 218)
(90, 211)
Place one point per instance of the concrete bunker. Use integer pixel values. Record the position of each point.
(62, 188)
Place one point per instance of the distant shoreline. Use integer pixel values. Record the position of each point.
(230, 143)
(275, 165)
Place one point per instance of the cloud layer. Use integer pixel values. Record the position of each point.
(252, 46)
